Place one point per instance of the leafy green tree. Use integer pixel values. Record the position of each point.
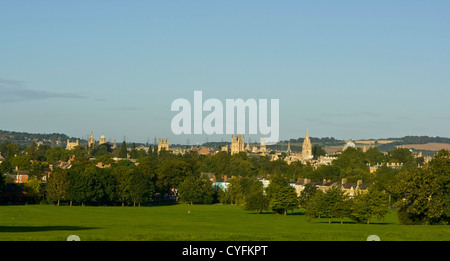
(401, 155)
(382, 180)
(423, 193)
(223, 196)
(33, 188)
(123, 150)
(8, 149)
(241, 165)
(234, 192)
(76, 192)
(56, 154)
(307, 194)
(333, 205)
(2, 180)
(123, 176)
(326, 172)
(370, 205)
(57, 186)
(197, 190)
(255, 199)
(316, 205)
(282, 196)
(352, 164)
(134, 152)
(142, 188)
(21, 161)
(284, 199)
(375, 156)
(171, 173)
(31, 151)
(317, 151)
(80, 155)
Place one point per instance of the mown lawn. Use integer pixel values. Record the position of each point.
(203, 223)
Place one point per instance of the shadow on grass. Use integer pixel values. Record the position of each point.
(274, 213)
(325, 221)
(40, 228)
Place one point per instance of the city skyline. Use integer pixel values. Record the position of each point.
(348, 69)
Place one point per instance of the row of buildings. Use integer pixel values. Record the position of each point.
(350, 188)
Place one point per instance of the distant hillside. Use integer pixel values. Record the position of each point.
(25, 138)
(329, 143)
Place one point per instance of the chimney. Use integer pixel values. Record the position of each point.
(214, 179)
(307, 181)
(344, 181)
(50, 167)
(225, 178)
(324, 181)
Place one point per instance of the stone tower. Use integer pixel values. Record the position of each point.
(237, 144)
(163, 144)
(306, 148)
(262, 148)
(91, 141)
(102, 140)
(71, 145)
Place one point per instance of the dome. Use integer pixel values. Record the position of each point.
(349, 144)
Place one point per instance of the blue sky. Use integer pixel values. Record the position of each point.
(360, 69)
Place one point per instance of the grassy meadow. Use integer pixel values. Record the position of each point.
(203, 223)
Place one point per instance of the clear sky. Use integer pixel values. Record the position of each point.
(360, 69)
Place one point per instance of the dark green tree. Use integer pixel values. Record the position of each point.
(318, 151)
(57, 186)
(282, 196)
(423, 193)
(171, 173)
(332, 204)
(123, 150)
(141, 187)
(375, 156)
(197, 190)
(370, 205)
(123, 176)
(307, 194)
(255, 199)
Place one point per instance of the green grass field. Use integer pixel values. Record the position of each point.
(204, 223)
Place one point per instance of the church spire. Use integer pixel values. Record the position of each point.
(306, 148)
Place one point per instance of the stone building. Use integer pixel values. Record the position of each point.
(91, 141)
(163, 144)
(102, 140)
(237, 144)
(72, 145)
(307, 147)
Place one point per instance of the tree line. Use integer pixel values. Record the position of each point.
(419, 190)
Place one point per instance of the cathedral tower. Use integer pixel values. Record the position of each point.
(163, 144)
(237, 144)
(307, 148)
(91, 142)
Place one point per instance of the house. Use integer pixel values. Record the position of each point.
(352, 189)
(221, 183)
